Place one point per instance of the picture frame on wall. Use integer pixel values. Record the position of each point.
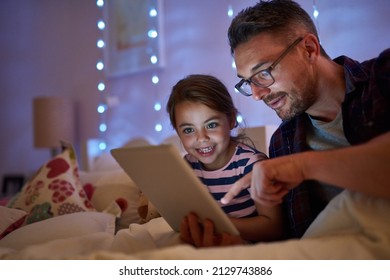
(133, 36)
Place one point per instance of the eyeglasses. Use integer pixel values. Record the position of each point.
(263, 78)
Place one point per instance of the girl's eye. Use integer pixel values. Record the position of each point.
(212, 125)
(187, 130)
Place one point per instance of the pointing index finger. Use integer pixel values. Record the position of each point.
(238, 186)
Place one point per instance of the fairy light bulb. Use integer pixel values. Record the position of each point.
(102, 127)
(239, 118)
(101, 25)
(101, 86)
(101, 108)
(102, 145)
(230, 11)
(316, 13)
(158, 127)
(153, 59)
(100, 44)
(157, 106)
(155, 79)
(99, 65)
(152, 33)
(153, 12)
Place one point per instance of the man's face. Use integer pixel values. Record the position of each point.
(293, 92)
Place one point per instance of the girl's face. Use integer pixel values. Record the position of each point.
(205, 134)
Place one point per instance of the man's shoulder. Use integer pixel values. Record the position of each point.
(385, 54)
(289, 127)
(289, 137)
(378, 64)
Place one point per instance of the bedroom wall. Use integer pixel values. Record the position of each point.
(48, 47)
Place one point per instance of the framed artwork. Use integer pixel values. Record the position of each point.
(133, 36)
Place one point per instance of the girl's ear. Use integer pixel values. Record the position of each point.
(233, 121)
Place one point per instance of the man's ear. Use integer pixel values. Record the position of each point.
(312, 46)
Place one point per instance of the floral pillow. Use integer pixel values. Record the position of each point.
(54, 190)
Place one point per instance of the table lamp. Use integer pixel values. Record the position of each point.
(53, 119)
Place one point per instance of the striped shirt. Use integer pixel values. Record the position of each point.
(218, 182)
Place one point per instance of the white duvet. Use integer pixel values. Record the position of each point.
(353, 226)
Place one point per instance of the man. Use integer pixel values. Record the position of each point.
(336, 118)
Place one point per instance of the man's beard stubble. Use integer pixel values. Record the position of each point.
(297, 104)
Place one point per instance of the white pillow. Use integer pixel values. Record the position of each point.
(114, 186)
(105, 162)
(59, 227)
(352, 213)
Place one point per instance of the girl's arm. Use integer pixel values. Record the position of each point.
(268, 226)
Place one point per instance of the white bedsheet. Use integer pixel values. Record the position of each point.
(353, 226)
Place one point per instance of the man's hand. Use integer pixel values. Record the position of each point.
(269, 181)
(203, 235)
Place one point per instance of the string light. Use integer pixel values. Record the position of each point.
(158, 127)
(101, 25)
(100, 65)
(100, 44)
(101, 86)
(157, 106)
(153, 12)
(316, 13)
(102, 107)
(102, 127)
(230, 15)
(230, 11)
(99, 3)
(153, 59)
(155, 79)
(105, 103)
(153, 35)
(239, 118)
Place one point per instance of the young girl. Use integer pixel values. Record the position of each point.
(203, 114)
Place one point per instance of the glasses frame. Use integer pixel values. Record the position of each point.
(268, 70)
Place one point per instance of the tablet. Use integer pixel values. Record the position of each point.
(171, 185)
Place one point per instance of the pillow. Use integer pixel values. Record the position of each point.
(54, 190)
(11, 219)
(60, 227)
(105, 162)
(114, 186)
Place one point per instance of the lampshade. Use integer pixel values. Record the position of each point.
(53, 121)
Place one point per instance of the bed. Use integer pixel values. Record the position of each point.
(66, 213)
